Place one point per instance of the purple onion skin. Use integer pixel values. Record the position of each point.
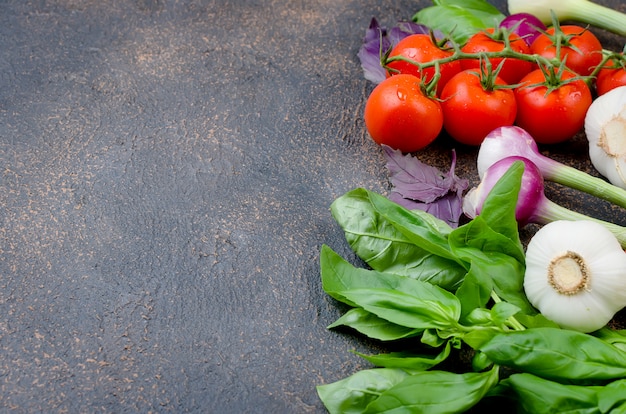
(531, 196)
(525, 25)
(378, 39)
(512, 140)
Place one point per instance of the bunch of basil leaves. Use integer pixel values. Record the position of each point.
(439, 290)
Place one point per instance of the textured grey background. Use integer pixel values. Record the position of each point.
(166, 169)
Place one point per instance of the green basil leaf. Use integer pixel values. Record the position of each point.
(499, 207)
(480, 362)
(557, 354)
(413, 226)
(378, 241)
(621, 409)
(435, 392)
(459, 19)
(490, 270)
(475, 291)
(374, 327)
(479, 317)
(432, 307)
(491, 244)
(478, 6)
(536, 395)
(616, 338)
(431, 337)
(535, 321)
(480, 235)
(353, 394)
(478, 337)
(339, 277)
(502, 311)
(408, 360)
(612, 397)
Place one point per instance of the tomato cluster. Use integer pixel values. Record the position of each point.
(494, 79)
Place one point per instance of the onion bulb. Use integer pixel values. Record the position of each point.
(514, 141)
(576, 274)
(605, 127)
(525, 25)
(532, 204)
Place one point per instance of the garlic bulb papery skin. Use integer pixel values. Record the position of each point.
(605, 127)
(576, 274)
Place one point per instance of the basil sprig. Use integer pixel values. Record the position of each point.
(459, 19)
(440, 290)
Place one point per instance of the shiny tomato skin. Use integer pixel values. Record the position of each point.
(470, 112)
(555, 117)
(398, 114)
(582, 58)
(609, 79)
(513, 69)
(420, 48)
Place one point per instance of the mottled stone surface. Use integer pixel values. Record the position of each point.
(166, 169)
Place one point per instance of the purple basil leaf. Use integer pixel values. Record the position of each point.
(416, 185)
(378, 41)
(454, 183)
(374, 44)
(448, 208)
(404, 29)
(412, 178)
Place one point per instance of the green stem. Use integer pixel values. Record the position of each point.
(514, 323)
(579, 180)
(550, 211)
(506, 53)
(607, 56)
(458, 54)
(598, 15)
(579, 10)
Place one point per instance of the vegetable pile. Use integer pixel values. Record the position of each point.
(514, 70)
(473, 319)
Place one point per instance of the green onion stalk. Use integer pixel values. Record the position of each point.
(577, 10)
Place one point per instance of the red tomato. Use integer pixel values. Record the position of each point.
(580, 48)
(552, 117)
(398, 114)
(609, 78)
(470, 112)
(420, 48)
(488, 41)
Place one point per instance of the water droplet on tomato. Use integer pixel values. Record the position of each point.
(402, 95)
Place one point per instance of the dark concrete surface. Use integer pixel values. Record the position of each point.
(166, 169)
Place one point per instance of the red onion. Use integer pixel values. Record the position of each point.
(512, 140)
(532, 204)
(525, 25)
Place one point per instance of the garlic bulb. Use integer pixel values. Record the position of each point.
(576, 274)
(605, 126)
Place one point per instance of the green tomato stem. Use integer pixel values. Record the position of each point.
(507, 52)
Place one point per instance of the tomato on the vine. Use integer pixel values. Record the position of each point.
(399, 114)
(420, 48)
(552, 114)
(579, 48)
(490, 40)
(610, 77)
(472, 107)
